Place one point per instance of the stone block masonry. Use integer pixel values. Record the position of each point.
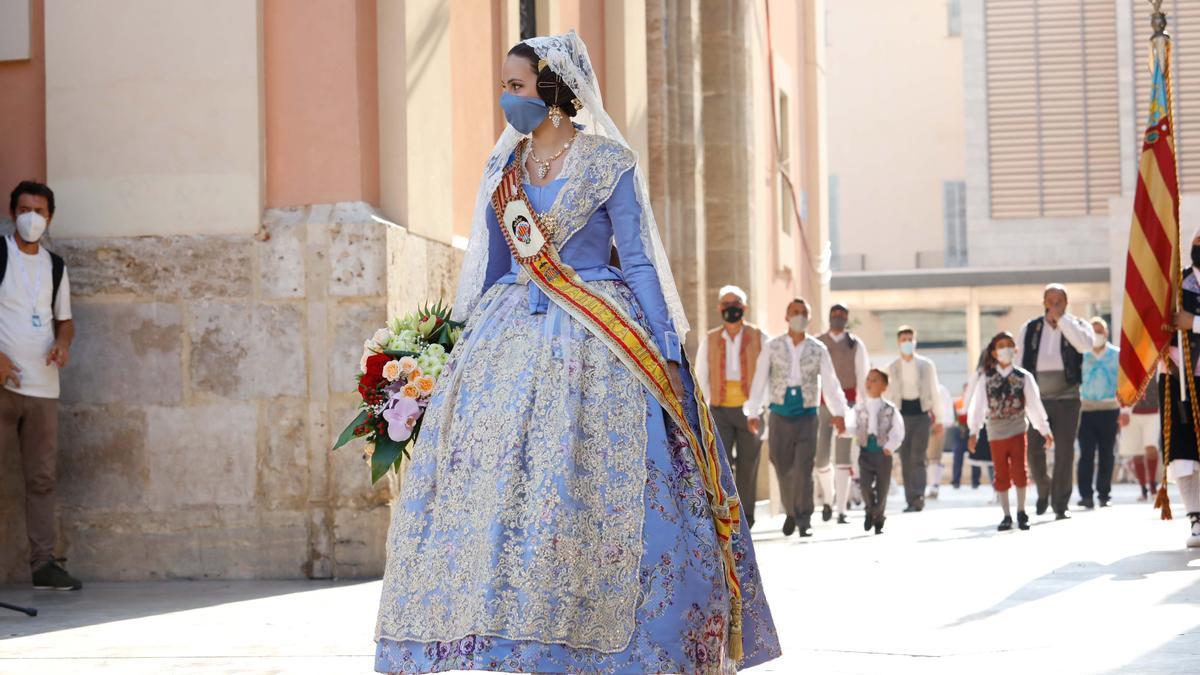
(208, 381)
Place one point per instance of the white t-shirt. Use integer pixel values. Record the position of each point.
(24, 343)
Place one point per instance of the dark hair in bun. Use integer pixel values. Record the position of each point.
(550, 87)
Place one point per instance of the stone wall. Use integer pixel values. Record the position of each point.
(209, 378)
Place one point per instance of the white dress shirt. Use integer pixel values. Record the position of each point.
(733, 360)
(910, 381)
(977, 408)
(831, 388)
(874, 405)
(1077, 331)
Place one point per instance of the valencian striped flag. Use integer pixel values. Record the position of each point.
(1152, 267)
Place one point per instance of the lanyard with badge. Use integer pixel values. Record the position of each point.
(32, 290)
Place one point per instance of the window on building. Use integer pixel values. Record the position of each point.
(1184, 26)
(954, 214)
(1053, 108)
(835, 231)
(528, 16)
(954, 18)
(787, 209)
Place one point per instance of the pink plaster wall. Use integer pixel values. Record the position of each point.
(476, 55)
(321, 90)
(788, 42)
(23, 112)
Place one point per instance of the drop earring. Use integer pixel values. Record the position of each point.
(556, 116)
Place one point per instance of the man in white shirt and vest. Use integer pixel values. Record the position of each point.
(35, 342)
(793, 373)
(914, 388)
(1051, 347)
(851, 363)
(725, 363)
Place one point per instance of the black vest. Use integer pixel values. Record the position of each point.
(1072, 360)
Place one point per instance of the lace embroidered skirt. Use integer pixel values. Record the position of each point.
(552, 518)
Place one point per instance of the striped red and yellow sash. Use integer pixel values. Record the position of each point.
(634, 348)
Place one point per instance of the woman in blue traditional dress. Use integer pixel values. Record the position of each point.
(553, 517)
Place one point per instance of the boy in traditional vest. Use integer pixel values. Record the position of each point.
(725, 364)
(792, 375)
(1004, 396)
(878, 429)
(851, 363)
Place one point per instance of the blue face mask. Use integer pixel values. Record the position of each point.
(524, 113)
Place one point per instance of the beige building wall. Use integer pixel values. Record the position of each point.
(896, 128)
(152, 117)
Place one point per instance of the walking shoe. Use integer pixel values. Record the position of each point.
(826, 513)
(804, 530)
(1006, 524)
(868, 523)
(1105, 502)
(1043, 503)
(1086, 503)
(842, 519)
(1062, 515)
(789, 526)
(1193, 541)
(910, 508)
(879, 526)
(933, 492)
(52, 577)
(1022, 520)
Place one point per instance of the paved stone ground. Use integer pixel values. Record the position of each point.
(1110, 591)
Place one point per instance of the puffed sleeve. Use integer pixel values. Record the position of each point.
(636, 266)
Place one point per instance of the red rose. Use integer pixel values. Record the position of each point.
(370, 380)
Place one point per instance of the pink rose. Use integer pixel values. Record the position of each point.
(401, 414)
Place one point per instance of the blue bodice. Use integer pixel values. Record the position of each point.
(588, 251)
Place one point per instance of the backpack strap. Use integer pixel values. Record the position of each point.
(3, 261)
(57, 266)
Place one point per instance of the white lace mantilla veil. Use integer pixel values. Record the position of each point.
(568, 58)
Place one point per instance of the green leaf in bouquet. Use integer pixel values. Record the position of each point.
(349, 433)
(399, 354)
(387, 454)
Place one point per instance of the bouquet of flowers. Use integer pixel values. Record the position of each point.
(399, 369)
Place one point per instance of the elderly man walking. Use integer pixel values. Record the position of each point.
(725, 365)
(1052, 348)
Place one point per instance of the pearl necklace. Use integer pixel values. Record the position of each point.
(543, 165)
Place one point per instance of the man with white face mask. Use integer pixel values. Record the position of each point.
(792, 374)
(35, 342)
(916, 391)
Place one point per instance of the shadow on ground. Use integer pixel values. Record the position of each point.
(1130, 568)
(105, 602)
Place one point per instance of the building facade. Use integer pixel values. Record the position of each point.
(1045, 104)
(246, 190)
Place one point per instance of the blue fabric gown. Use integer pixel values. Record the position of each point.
(552, 518)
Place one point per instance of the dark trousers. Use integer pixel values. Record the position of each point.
(734, 431)
(956, 438)
(30, 424)
(1064, 424)
(913, 454)
(792, 446)
(874, 478)
(1097, 435)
